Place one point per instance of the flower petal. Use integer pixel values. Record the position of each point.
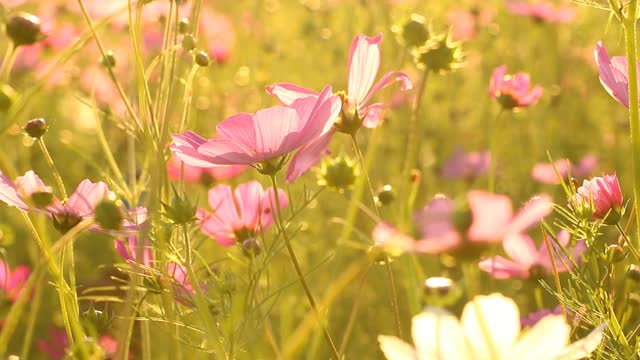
(308, 156)
(388, 79)
(287, 93)
(364, 62)
(547, 338)
(438, 335)
(396, 349)
(583, 347)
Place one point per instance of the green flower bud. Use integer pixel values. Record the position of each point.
(440, 291)
(24, 29)
(439, 55)
(251, 247)
(202, 58)
(184, 26)
(108, 215)
(36, 128)
(413, 32)
(108, 60)
(338, 173)
(633, 273)
(188, 42)
(615, 254)
(181, 210)
(385, 196)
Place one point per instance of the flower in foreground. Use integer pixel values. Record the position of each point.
(29, 193)
(613, 74)
(527, 261)
(488, 329)
(513, 91)
(204, 175)
(546, 174)
(603, 196)
(264, 139)
(240, 215)
(542, 11)
(12, 281)
(356, 109)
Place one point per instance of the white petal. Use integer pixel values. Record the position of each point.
(396, 349)
(584, 346)
(546, 339)
(492, 325)
(438, 335)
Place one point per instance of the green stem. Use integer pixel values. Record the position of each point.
(53, 168)
(354, 312)
(296, 265)
(470, 279)
(629, 25)
(33, 317)
(493, 129)
(7, 62)
(415, 129)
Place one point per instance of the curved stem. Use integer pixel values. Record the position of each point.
(296, 265)
(7, 62)
(493, 128)
(53, 168)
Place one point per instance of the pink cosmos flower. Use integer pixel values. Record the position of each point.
(542, 11)
(267, 137)
(528, 261)
(463, 24)
(613, 74)
(513, 91)
(29, 189)
(219, 33)
(364, 63)
(129, 251)
(533, 318)
(56, 345)
(605, 194)
(12, 282)
(179, 277)
(544, 172)
(466, 165)
(241, 214)
(194, 174)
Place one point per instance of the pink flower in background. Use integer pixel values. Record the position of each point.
(13, 281)
(178, 274)
(65, 214)
(527, 260)
(542, 11)
(241, 214)
(605, 194)
(194, 174)
(270, 134)
(533, 318)
(57, 344)
(129, 251)
(513, 91)
(491, 220)
(219, 33)
(463, 24)
(546, 174)
(613, 74)
(466, 165)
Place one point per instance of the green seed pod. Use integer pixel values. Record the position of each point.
(24, 29)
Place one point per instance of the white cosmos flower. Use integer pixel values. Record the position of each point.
(488, 330)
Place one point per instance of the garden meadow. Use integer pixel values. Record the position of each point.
(319, 179)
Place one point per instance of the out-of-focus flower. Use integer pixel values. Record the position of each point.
(30, 193)
(466, 165)
(513, 91)
(241, 214)
(364, 63)
(179, 277)
(264, 139)
(219, 34)
(542, 11)
(488, 329)
(463, 24)
(613, 74)
(440, 54)
(527, 261)
(605, 194)
(194, 174)
(56, 345)
(130, 249)
(533, 318)
(546, 174)
(12, 281)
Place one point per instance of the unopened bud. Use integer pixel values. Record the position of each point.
(184, 26)
(615, 254)
(338, 173)
(108, 215)
(36, 128)
(108, 60)
(386, 195)
(181, 210)
(414, 31)
(440, 291)
(24, 29)
(251, 247)
(202, 58)
(633, 273)
(188, 42)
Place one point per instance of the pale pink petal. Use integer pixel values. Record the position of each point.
(9, 194)
(17, 281)
(391, 239)
(177, 169)
(532, 213)
(372, 115)
(497, 79)
(521, 248)
(224, 152)
(278, 131)
(613, 76)
(491, 214)
(268, 205)
(83, 201)
(226, 172)
(364, 62)
(308, 156)
(321, 117)
(248, 198)
(388, 79)
(288, 93)
(30, 183)
(223, 205)
(501, 268)
(240, 129)
(185, 148)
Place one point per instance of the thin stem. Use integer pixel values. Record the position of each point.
(415, 128)
(53, 168)
(7, 62)
(470, 280)
(33, 317)
(296, 265)
(493, 129)
(556, 277)
(629, 25)
(354, 312)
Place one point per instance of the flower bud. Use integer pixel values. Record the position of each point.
(188, 42)
(633, 273)
(42, 199)
(615, 254)
(181, 210)
(440, 291)
(184, 26)
(108, 215)
(36, 128)
(338, 173)
(439, 55)
(108, 60)
(24, 29)
(7, 97)
(202, 58)
(251, 247)
(413, 32)
(385, 196)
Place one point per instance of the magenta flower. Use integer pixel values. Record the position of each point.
(463, 165)
(463, 24)
(194, 174)
(542, 11)
(533, 318)
(364, 63)
(528, 261)
(605, 195)
(56, 345)
(239, 215)
(513, 91)
(129, 251)
(613, 74)
(219, 33)
(264, 139)
(491, 220)
(546, 174)
(12, 282)
(179, 277)
(29, 193)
